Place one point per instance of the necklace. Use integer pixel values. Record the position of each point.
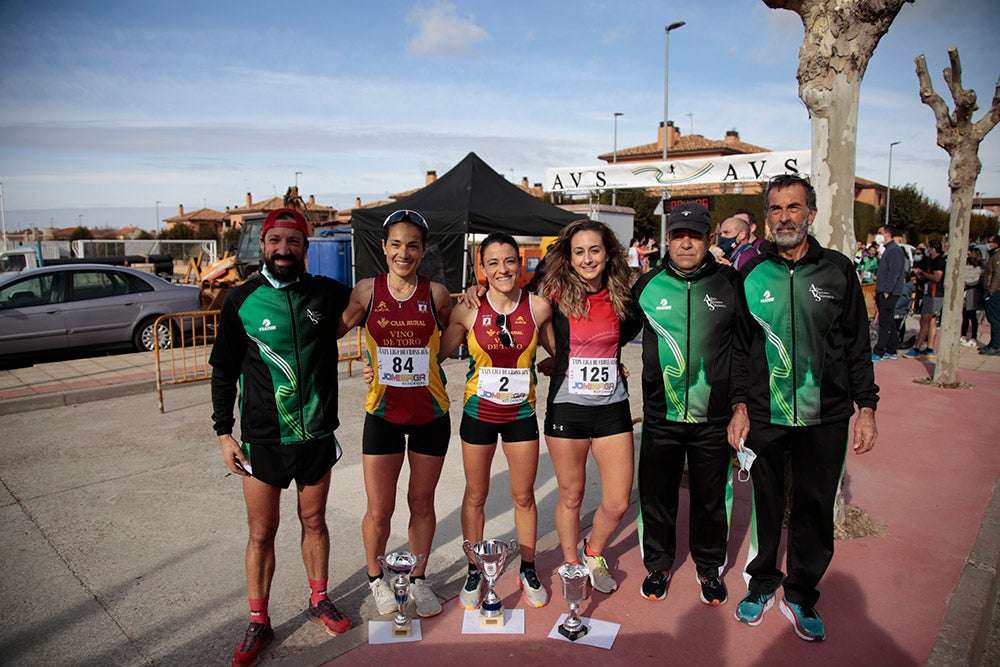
(400, 301)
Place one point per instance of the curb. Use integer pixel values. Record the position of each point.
(55, 399)
(966, 626)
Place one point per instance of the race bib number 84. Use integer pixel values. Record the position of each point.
(404, 366)
(593, 377)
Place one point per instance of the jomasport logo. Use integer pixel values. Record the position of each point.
(664, 305)
(266, 325)
(767, 298)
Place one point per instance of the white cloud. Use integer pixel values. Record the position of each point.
(616, 34)
(442, 32)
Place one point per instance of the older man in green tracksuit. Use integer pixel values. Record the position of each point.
(691, 306)
(807, 363)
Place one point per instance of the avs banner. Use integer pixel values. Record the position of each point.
(726, 169)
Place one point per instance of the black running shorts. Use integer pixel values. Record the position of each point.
(384, 437)
(478, 432)
(305, 462)
(579, 422)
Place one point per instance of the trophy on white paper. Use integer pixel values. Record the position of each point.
(492, 557)
(397, 567)
(574, 588)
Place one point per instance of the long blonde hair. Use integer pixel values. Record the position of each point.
(561, 282)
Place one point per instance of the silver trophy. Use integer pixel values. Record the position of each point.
(492, 557)
(397, 567)
(574, 588)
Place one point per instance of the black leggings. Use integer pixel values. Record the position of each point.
(970, 323)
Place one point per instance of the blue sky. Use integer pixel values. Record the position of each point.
(107, 107)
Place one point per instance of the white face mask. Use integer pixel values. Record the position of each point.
(880, 239)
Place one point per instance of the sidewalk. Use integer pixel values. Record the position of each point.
(135, 557)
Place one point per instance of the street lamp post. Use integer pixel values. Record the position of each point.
(614, 157)
(888, 185)
(158, 217)
(666, 78)
(3, 217)
(297, 180)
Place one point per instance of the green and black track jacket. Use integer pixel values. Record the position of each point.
(690, 325)
(809, 353)
(281, 346)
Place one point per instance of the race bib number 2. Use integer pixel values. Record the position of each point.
(404, 366)
(503, 386)
(593, 377)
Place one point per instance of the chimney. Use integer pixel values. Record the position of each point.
(524, 182)
(357, 202)
(732, 137)
(431, 177)
(537, 190)
(180, 209)
(249, 200)
(312, 199)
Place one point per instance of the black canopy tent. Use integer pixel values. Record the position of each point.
(470, 199)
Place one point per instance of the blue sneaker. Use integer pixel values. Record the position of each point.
(890, 355)
(807, 623)
(929, 353)
(913, 353)
(752, 608)
(876, 357)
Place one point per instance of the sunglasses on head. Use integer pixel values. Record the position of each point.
(505, 338)
(405, 216)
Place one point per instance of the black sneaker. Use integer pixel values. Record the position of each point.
(713, 591)
(654, 586)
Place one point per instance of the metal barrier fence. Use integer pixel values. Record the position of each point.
(191, 335)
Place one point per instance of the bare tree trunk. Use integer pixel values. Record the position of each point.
(960, 137)
(839, 40)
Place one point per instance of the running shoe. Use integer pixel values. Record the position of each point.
(599, 577)
(258, 636)
(713, 590)
(913, 353)
(807, 623)
(385, 599)
(929, 354)
(753, 606)
(327, 616)
(472, 592)
(890, 355)
(876, 357)
(534, 593)
(423, 596)
(654, 586)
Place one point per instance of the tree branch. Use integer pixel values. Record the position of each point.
(992, 117)
(931, 98)
(965, 100)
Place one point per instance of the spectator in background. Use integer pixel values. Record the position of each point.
(736, 242)
(889, 279)
(991, 294)
(972, 301)
(634, 260)
(932, 277)
(751, 219)
(869, 264)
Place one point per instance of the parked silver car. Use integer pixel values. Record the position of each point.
(87, 305)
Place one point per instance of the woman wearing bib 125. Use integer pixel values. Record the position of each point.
(407, 405)
(587, 281)
(502, 334)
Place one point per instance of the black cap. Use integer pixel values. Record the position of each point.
(690, 215)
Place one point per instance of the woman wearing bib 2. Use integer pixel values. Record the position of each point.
(502, 334)
(407, 405)
(588, 410)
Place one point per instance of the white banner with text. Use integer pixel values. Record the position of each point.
(703, 171)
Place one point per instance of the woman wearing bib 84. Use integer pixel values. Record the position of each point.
(503, 333)
(407, 405)
(587, 281)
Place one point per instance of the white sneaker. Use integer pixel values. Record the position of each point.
(472, 591)
(971, 342)
(600, 579)
(385, 599)
(423, 596)
(534, 593)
